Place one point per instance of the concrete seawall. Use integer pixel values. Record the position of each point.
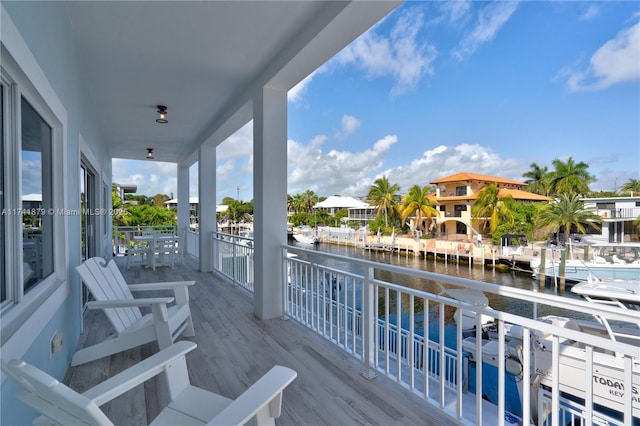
(447, 250)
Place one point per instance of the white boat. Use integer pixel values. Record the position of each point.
(608, 263)
(306, 239)
(607, 373)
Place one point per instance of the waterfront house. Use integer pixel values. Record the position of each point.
(335, 203)
(83, 83)
(456, 194)
(618, 215)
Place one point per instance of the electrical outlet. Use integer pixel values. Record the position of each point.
(55, 343)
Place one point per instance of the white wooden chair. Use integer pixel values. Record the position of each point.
(137, 250)
(163, 250)
(112, 294)
(188, 405)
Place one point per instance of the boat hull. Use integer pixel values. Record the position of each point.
(580, 271)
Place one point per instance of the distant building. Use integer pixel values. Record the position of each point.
(358, 210)
(125, 189)
(335, 203)
(618, 214)
(31, 201)
(457, 193)
(193, 208)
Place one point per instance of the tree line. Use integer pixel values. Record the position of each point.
(492, 214)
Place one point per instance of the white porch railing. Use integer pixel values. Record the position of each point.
(360, 313)
(192, 246)
(233, 257)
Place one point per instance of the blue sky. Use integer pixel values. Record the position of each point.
(442, 87)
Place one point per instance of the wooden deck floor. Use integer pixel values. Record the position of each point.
(235, 349)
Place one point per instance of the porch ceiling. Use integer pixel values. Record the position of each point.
(203, 60)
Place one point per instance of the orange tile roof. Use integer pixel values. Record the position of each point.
(464, 176)
(518, 194)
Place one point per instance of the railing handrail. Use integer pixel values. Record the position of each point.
(607, 311)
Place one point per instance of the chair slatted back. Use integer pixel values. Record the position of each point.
(51, 398)
(105, 281)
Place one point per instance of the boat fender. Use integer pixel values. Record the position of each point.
(516, 331)
(513, 366)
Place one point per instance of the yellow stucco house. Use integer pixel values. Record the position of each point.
(456, 194)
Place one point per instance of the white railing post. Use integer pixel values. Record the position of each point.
(287, 279)
(369, 329)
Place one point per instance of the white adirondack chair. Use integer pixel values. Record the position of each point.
(189, 405)
(112, 294)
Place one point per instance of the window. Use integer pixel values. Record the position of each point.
(461, 191)
(458, 209)
(606, 205)
(31, 194)
(37, 197)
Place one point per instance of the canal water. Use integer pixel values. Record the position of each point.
(487, 273)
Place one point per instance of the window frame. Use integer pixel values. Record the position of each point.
(19, 306)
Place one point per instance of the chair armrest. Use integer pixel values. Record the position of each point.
(105, 304)
(140, 373)
(263, 398)
(160, 286)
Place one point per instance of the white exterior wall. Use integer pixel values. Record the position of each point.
(48, 62)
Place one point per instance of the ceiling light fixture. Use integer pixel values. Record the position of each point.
(149, 153)
(162, 115)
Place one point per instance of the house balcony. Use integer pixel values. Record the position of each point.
(450, 213)
(356, 365)
(235, 349)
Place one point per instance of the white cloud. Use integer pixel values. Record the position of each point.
(151, 177)
(240, 144)
(295, 94)
(447, 160)
(400, 55)
(349, 125)
(31, 176)
(616, 61)
(491, 18)
(455, 11)
(591, 12)
(334, 172)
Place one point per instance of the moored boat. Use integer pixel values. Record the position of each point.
(582, 372)
(609, 261)
(306, 239)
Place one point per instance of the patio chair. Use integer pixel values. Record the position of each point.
(163, 250)
(187, 405)
(112, 294)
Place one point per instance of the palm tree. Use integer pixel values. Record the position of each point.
(566, 212)
(633, 186)
(309, 199)
(382, 194)
(537, 179)
(492, 209)
(297, 203)
(417, 201)
(570, 178)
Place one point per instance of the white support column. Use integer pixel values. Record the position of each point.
(206, 204)
(269, 199)
(183, 200)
